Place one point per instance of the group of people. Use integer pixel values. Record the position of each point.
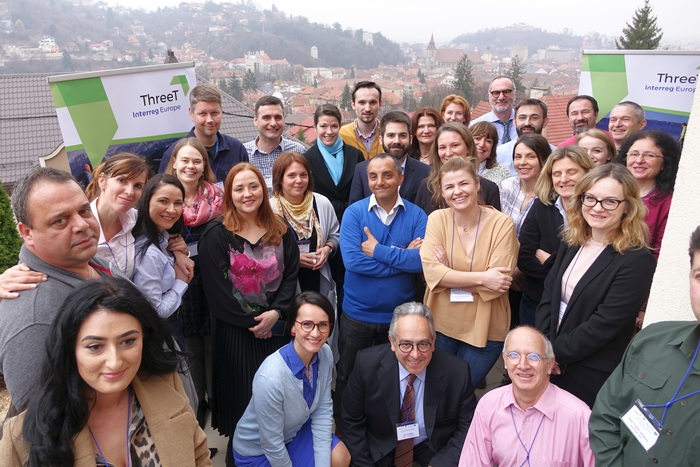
(412, 246)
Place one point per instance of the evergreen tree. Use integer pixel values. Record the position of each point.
(301, 136)
(515, 73)
(464, 79)
(9, 238)
(346, 98)
(232, 87)
(421, 76)
(643, 33)
(249, 81)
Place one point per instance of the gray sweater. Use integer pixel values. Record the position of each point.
(25, 323)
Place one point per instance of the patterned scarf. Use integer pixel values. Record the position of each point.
(206, 206)
(302, 218)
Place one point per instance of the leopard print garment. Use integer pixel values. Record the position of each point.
(143, 450)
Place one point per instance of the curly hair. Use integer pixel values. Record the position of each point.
(632, 233)
(544, 187)
(666, 179)
(60, 406)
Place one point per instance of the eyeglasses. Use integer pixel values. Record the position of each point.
(407, 347)
(643, 156)
(308, 326)
(505, 92)
(609, 204)
(532, 358)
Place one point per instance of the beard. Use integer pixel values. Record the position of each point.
(396, 150)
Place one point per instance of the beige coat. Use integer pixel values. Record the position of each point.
(178, 438)
(488, 316)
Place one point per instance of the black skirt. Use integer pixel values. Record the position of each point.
(237, 355)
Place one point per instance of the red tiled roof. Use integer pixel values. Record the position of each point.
(558, 128)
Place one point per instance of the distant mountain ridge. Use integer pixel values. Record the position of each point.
(500, 39)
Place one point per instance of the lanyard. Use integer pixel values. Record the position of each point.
(126, 256)
(537, 432)
(476, 234)
(128, 451)
(573, 266)
(675, 397)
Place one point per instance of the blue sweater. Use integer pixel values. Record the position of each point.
(374, 286)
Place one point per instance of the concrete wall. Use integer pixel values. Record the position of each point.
(669, 298)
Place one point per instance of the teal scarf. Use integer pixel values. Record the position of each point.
(334, 158)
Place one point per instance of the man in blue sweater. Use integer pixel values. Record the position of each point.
(380, 238)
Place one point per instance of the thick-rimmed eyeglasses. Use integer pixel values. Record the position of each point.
(643, 156)
(505, 92)
(609, 204)
(308, 326)
(407, 347)
(532, 358)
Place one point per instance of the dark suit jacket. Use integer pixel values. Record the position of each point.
(540, 230)
(414, 172)
(488, 194)
(323, 183)
(600, 317)
(371, 407)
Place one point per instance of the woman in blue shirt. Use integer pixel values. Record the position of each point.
(289, 418)
(160, 213)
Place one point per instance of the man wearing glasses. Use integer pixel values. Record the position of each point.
(501, 97)
(407, 402)
(530, 117)
(528, 422)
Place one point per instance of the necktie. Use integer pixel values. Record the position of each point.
(506, 132)
(403, 456)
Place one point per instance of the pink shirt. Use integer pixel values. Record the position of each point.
(562, 439)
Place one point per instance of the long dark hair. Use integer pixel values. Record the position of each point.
(144, 225)
(59, 408)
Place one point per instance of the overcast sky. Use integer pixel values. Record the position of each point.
(414, 21)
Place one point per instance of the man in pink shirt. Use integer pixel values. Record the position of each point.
(529, 422)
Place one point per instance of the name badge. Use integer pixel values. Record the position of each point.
(192, 248)
(304, 246)
(642, 424)
(562, 310)
(461, 295)
(407, 430)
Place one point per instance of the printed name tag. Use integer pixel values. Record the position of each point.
(407, 431)
(304, 246)
(639, 422)
(460, 295)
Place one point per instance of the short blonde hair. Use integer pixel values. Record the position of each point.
(632, 234)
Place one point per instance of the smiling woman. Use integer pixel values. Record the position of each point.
(587, 310)
(109, 392)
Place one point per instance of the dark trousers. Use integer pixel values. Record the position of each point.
(354, 336)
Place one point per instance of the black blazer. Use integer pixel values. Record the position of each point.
(540, 230)
(488, 192)
(600, 317)
(414, 172)
(323, 183)
(371, 407)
